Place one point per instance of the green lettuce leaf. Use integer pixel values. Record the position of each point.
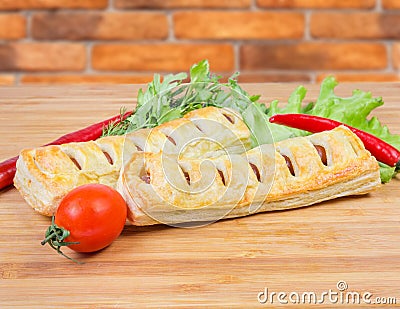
(354, 111)
(387, 172)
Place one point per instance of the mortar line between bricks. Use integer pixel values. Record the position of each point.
(170, 21)
(194, 9)
(352, 71)
(307, 72)
(307, 21)
(242, 72)
(216, 42)
(253, 6)
(314, 40)
(110, 6)
(236, 57)
(108, 9)
(44, 72)
(249, 9)
(262, 71)
(79, 73)
(170, 39)
(389, 48)
(177, 41)
(17, 79)
(28, 27)
(317, 10)
(88, 48)
(313, 77)
(276, 72)
(172, 10)
(66, 10)
(350, 12)
(378, 6)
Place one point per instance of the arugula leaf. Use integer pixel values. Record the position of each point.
(153, 106)
(171, 99)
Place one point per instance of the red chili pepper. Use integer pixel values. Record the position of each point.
(8, 169)
(381, 150)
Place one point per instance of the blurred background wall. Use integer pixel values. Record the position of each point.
(126, 41)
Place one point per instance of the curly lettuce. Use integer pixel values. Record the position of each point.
(354, 110)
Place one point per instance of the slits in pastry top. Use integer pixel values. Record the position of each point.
(206, 132)
(46, 174)
(292, 173)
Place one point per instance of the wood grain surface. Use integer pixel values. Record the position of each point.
(225, 264)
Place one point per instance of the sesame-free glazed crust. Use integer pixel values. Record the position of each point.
(46, 174)
(256, 181)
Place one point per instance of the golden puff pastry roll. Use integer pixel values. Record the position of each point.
(163, 188)
(46, 174)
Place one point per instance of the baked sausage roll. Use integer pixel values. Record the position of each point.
(164, 188)
(45, 175)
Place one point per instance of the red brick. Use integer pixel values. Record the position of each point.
(355, 25)
(7, 80)
(391, 4)
(396, 55)
(107, 26)
(52, 4)
(362, 77)
(161, 57)
(12, 26)
(238, 25)
(314, 56)
(42, 57)
(317, 4)
(85, 79)
(249, 77)
(167, 4)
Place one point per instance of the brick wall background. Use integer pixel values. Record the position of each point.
(126, 41)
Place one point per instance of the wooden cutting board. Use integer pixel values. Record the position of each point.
(226, 264)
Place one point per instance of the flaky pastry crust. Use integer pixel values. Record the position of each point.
(163, 188)
(46, 174)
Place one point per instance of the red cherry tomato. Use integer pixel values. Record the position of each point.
(94, 214)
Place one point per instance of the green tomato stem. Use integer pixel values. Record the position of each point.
(55, 236)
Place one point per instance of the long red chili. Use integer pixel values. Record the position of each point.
(381, 150)
(8, 169)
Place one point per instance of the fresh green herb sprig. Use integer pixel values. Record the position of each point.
(171, 98)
